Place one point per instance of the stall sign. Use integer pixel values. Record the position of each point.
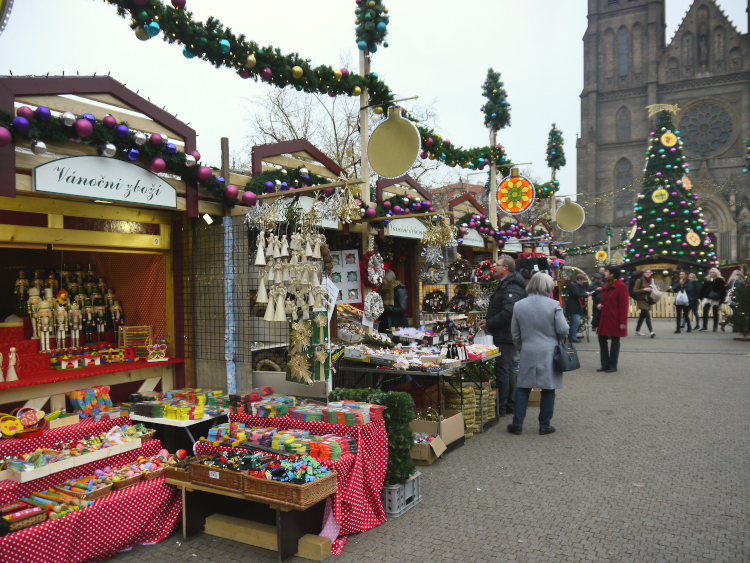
(512, 245)
(473, 238)
(108, 179)
(406, 228)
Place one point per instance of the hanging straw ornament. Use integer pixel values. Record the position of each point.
(262, 295)
(280, 310)
(305, 272)
(276, 247)
(271, 272)
(311, 298)
(279, 267)
(291, 310)
(314, 269)
(285, 274)
(299, 368)
(318, 291)
(284, 247)
(270, 313)
(301, 336)
(316, 250)
(260, 259)
(321, 357)
(269, 246)
(308, 249)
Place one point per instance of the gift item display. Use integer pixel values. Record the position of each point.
(178, 404)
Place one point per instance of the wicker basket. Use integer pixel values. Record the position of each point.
(125, 483)
(300, 497)
(146, 437)
(215, 477)
(149, 475)
(26, 522)
(93, 495)
(178, 474)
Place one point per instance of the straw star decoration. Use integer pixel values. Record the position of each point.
(321, 358)
(301, 335)
(321, 320)
(299, 367)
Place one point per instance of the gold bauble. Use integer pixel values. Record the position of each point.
(141, 34)
(337, 74)
(297, 71)
(438, 138)
(371, 3)
(494, 91)
(357, 91)
(432, 156)
(378, 110)
(250, 62)
(385, 10)
(356, 22)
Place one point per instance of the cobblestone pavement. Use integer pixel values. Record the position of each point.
(648, 464)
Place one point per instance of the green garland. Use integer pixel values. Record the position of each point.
(496, 109)
(54, 130)
(371, 22)
(291, 176)
(555, 151)
(546, 190)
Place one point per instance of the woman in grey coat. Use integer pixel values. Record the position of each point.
(537, 323)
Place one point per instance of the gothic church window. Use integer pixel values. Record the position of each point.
(637, 39)
(687, 48)
(623, 51)
(706, 128)
(623, 181)
(623, 123)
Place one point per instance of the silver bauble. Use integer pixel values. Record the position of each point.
(418, 199)
(38, 147)
(164, 139)
(277, 183)
(303, 171)
(140, 138)
(109, 150)
(68, 119)
(406, 200)
(283, 171)
(361, 212)
(296, 182)
(189, 160)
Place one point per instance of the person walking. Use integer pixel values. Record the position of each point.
(735, 281)
(682, 301)
(694, 291)
(642, 291)
(508, 292)
(537, 325)
(712, 295)
(613, 318)
(577, 304)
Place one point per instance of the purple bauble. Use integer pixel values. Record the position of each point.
(89, 117)
(397, 209)
(370, 212)
(245, 74)
(387, 204)
(429, 142)
(179, 4)
(423, 155)
(109, 122)
(231, 191)
(83, 128)
(157, 165)
(43, 113)
(284, 186)
(122, 131)
(156, 139)
(328, 192)
(5, 137)
(269, 186)
(332, 94)
(25, 112)
(484, 216)
(249, 198)
(172, 148)
(266, 74)
(196, 155)
(432, 210)
(204, 173)
(20, 124)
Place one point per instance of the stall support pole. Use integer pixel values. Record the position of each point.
(228, 280)
(492, 199)
(553, 209)
(364, 135)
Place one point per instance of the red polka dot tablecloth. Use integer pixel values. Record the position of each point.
(356, 505)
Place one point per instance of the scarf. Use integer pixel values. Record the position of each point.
(387, 294)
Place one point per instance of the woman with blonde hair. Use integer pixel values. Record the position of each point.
(713, 293)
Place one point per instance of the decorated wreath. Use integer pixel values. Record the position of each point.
(460, 271)
(371, 268)
(373, 306)
(431, 273)
(462, 302)
(434, 302)
(485, 271)
(445, 326)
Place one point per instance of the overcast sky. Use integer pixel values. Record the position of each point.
(438, 50)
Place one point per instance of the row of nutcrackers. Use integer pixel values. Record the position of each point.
(75, 282)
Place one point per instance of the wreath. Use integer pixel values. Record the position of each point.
(460, 271)
(445, 326)
(435, 302)
(371, 268)
(373, 306)
(462, 302)
(485, 271)
(431, 273)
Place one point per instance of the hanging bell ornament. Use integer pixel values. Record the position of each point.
(140, 139)
(69, 119)
(109, 150)
(303, 171)
(38, 147)
(189, 160)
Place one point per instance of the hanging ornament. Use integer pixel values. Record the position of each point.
(140, 138)
(692, 238)
(38, 147)
(669, 139)
(141, 34)
(660, 196)
(394, 145)
(515, 194)
(570, 216)
(133, 154)
(109, 150)
(69, 119)
(189, 160)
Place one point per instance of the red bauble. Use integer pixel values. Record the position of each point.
(156, 139)
(83, 128)
(109, 122)
(25, 111)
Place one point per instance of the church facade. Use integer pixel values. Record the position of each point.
(705, 71)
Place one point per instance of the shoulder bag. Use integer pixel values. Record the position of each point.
(565, 357)
(655, 295)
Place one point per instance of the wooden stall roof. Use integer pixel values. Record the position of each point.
(464, 204)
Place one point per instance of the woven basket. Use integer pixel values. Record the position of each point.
(125, 483)
(215, 477)
(299, 497)
(93, 495)
(146, 437)
(150, 475)
(178, 474)
(26, 522)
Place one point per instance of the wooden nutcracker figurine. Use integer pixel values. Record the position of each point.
(61, 324)
(65, 276)
(45, 325)
(33, 304)
(118, 318)
(100, 316)
(102, 285)
(75, 325)
(91, 274)
(88, 289)
(12, 362)
(52, 283)
(21, 291)
(96, 297)
(88, 322)
(110, 298)
(81, 299)
(73, 289)
(39, 280)
(79, 275)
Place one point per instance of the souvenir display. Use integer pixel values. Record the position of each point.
(33, 309)
(460, 271)
(373, 306)
(372, 270)
(435, 302)
(61, 325)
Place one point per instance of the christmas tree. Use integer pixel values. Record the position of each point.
(739, 319)
(555, 151)
(372, 25)
(668, 219)
(496, 109)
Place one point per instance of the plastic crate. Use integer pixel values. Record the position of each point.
(397, 499)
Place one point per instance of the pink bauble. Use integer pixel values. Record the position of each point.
(156, 139)
(5, 137)
(109, 122)
(345, 72)
(423, 155)
(358, 201)
(462, 230)
(83, 128)
(196, 155)
(249, 198)
(387, 204)
(266, 73)
(289, 192)
(231, 191)
(204, 173)
(397, 209)
(432, 210)
(472, 224)
(370, 212)
(245, 74)
(407, 211)
(429, 142)
(428, 203)
(179, 3)
(157, 165)
(328, 192)
(25, 111)
(447, 142)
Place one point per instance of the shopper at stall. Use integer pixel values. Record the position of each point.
(694, 291)
(508, 292)
(713, 293)
(577, 304)
(537, 324)
(681, 288)
(395, 301)
(595, 288)
(613, 319)
(642, 291)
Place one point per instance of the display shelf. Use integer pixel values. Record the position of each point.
(173, 422)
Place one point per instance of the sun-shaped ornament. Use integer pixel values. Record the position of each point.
(515, 194)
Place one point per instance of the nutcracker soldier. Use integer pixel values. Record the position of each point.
(109, 298)
(52, 283)
(118, 318)
(33, 304)
(102, 285)
(21, 290)
(45, 325)
(75, 325)
(72, 290)
(91, 274)
(39, 280)
(96, 297)
(100, 316)
(81, 300)
(89, 289)
(88, 322)
(65, 276)
(79, 275)
(61, 325)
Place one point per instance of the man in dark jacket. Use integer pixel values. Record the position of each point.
(499, 314)
(577, 304)
(595, 288)
(694, 292)
(395, 303)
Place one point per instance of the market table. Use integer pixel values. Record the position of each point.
(356, 506)
(171, 441)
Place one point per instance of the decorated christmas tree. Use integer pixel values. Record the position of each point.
(668, 219)
(497, 108)
(555, 150)
(739, 319)
(372, 25)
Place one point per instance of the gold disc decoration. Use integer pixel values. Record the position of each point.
(570, 216)
(393, 146)
(515, 194)
(669, 139)
(687, 184)
(660, 196)
(601, 256)
(632, 233)
(693, 239)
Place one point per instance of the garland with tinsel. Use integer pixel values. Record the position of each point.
(431, 273)
(460, 271)
(586, 252)
(434, 302)
(398, 205)
(372, 25)
(485, 271)
(462, 302)
(496, 109)
(110, 139)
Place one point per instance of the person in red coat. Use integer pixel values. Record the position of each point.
(613, 319)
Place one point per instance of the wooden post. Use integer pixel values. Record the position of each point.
(553, 208)
(492, 200)
(364, 136)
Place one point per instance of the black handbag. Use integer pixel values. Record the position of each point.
(565, 357)
(713, 296)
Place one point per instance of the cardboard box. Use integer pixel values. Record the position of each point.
(535, 397)
(427, 454)
(452, 425)
(131, 445)
(25, 476)
(66, 420)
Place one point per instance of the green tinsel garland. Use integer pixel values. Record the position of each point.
(55, 131)
(369, 15)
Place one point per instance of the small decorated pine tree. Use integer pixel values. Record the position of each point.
(555, 150)
(496, 108)
(739, 320)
